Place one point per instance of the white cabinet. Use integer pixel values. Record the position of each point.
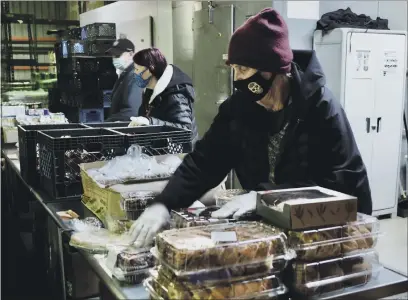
(366, 71)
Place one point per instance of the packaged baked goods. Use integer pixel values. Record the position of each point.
(134, 277)
(218, 246)
(130, 259)
(272, 265)
(96, 241)
(257, 288)
(306, 207)
(137, 201)
(316, 278)
(333, 241)
(192, 217)
(224, 196)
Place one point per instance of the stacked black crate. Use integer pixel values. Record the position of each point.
(86, 73)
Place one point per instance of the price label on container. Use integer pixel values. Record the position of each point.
(224, 236)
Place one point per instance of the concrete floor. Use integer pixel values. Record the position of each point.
(392, 247)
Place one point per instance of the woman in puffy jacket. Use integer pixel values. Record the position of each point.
(168, 96)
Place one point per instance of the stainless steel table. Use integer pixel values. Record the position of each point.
(387, 284)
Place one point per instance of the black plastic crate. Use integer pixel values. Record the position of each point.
(98, 47)
(92, 99)
(105, 64)
(106, 80)
(78, 83)
(70, 48)
(99, 31)
(72, 65)
(108, 125)
(62, 151)
(27, 146)
(158, 140)
(75, 33)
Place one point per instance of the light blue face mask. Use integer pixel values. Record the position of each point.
(140, 82)
(119, 63)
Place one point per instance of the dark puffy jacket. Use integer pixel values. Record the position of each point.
(126, 97)
(317, 149)
(171, 103)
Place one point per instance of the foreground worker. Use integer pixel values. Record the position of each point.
(281, 126)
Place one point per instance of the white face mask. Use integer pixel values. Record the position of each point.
(121, 63)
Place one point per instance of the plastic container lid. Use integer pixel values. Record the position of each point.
(135, 201)
(218, 246)
(223, 196)
(333, 241)
(315, 278)
(193, 217)
(261, 288)
(272, 265)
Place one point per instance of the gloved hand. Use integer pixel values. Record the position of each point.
(153, 219)
(237, 207)
(138, 121)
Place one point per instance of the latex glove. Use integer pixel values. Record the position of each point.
(237, 206)
(146, 227)
(138, 121)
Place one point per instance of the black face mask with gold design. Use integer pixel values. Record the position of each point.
(255, 87)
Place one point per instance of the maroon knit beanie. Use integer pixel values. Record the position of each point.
(262, 43)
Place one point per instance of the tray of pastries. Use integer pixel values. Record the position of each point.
(188, 250)
(256, 288)
(193, 217)
(316, 278)
(336, 240)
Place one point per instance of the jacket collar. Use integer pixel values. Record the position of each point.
(162, 83)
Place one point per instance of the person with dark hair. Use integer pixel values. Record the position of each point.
(281, 128)
(168, 96)
(126, 94)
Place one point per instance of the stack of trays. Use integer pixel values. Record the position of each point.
(130, 265)
(333, 258)
(221, 261)
(134, 203)
(193, 217)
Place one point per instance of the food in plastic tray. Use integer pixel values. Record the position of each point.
(134, 277)
(218, 246)
(227, 274)
(261, 287)
(334, 241)
(136, 201)
(316, 278)
(224, 196)
(134, 259)
(192, 217)
(96, 241)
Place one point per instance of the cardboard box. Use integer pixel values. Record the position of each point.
(305, 208)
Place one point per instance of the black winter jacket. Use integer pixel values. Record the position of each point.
(171, 103)
(126, 97)
(317, 149)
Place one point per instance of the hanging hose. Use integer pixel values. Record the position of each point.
(406, 128)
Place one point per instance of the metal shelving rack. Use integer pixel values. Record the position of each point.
(8, 48)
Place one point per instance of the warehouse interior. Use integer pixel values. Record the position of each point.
(43, 43)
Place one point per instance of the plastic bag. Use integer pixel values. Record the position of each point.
(87, 224)
(135, 165)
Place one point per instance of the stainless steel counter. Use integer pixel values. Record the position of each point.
(388, 283)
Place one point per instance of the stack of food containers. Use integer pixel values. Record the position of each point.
(221, 261)
(328, 258)
(130, 265)
(134, 203)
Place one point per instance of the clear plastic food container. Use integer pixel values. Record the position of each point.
(273, 265)
(193, 217)
(334, 241)
(95, 241)
(218, 246)
(132, 259)
(134, 277)
(137, 201)
(311, 279)
(222, 197)
(268, 287)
